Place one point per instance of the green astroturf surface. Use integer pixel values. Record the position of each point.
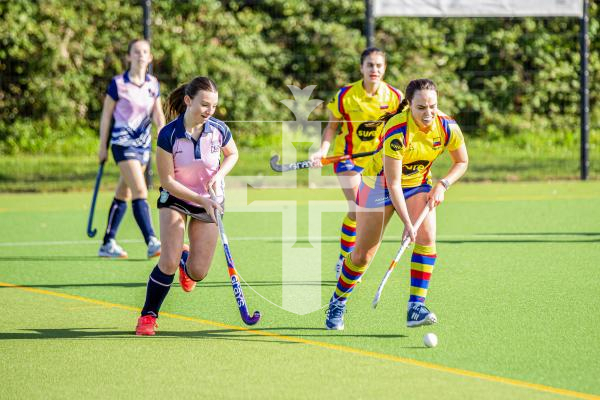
(516, 290)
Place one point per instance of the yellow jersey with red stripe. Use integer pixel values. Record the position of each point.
(356, 108)
(403, 140)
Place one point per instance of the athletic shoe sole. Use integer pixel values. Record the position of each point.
(334, 328)
(110, 256)
(156, 254)
(428, 320)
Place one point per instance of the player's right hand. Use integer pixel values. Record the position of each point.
(102, 154)
(211, 207)
(409, 231)
(315, 158)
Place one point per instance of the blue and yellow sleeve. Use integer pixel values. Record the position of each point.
(394, 144)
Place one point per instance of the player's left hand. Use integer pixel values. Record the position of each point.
(436, 195)
(214, 184)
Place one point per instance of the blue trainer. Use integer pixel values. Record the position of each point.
(419, 315)
(335, 315)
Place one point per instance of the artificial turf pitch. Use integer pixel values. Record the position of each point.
(516, 290)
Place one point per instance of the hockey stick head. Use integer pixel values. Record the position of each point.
(241, 301)
(92, 232)
(290, 167)
(376, 300)
(381, 285)
(251, 320)
(274, 165)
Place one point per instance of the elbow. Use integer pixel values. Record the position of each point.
(166, 183)
(233, 157)
(395, 186)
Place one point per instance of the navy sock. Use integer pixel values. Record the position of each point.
(115, 216)
(158, 288)
(184, 257)
(141, 212)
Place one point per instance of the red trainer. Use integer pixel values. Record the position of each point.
(145, 326)
(187, 284)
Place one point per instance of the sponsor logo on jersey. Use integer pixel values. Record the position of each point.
(437, 142)
(396, 145)
(367, 131)
(414, 167)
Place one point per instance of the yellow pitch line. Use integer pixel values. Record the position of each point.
(345, 349)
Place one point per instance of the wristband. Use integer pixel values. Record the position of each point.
(445, 183)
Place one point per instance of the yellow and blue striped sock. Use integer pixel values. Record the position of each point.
(421, 268)
(348, 279)
(348, 237)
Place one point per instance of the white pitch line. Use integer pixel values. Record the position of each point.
(273, 239)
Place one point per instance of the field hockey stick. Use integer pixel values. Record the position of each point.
(233, 274)
(312, 164)
(403, 247)
(92, 232)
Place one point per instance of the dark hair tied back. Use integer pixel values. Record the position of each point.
(370, 50)
(175, 104)
(412, 87)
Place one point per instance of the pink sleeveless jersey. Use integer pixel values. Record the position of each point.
(133, 110)
(196, 162)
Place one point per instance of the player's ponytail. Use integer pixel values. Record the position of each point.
(176, 105)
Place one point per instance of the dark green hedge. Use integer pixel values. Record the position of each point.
(499, 77)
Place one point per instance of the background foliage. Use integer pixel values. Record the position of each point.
(501, 78)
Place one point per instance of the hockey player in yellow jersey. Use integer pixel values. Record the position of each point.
(350, 128)
(398, 180)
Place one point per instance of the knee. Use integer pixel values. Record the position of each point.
(139, 193)
(360, 257)
(168, 265)
(426, 239)
(200, 276)
(122, 193)
(198, 271)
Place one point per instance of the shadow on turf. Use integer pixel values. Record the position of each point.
(325, 333)
(96, 333)
(224, 334)
(67, 258)
(203, 284)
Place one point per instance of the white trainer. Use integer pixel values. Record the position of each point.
(153, 247)
(112, 250)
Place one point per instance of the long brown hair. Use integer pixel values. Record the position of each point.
(175, 104)
(412, 87)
